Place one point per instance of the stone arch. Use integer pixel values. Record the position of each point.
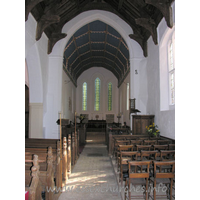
(109, 18)
(34, 75)
(35, 93)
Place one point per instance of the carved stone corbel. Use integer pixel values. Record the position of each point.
(45, 21)
(29, 5)
(150, 25)
(55, 37)
(141, 42)
(165, 8)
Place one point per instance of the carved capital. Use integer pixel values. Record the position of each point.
(165, 8)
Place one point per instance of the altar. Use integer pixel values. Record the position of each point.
(96, 126)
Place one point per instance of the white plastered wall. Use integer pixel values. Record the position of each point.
(105, 77)
(52, 92)
(164, 116)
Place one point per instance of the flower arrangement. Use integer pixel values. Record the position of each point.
(153, 130)
(81, 117)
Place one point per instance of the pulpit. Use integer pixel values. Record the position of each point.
(139, 123)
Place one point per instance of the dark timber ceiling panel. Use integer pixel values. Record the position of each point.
(96, 44)
(143, 16)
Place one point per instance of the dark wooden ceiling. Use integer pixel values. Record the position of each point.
(97, 49)
(143, 16)
(96, 44)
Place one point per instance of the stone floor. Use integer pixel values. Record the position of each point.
(95, 175)
(92, 177)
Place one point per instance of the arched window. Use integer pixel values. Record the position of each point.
(97, 94)
(171, 69)
(167, 70)
(109, 96)
(84, 100)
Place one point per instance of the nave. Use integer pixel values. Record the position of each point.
(124, 166)
(93, 177)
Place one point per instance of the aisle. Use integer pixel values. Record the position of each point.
(92, 177)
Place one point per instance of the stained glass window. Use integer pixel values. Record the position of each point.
(109, 96)
(84, 102)
(97, 94)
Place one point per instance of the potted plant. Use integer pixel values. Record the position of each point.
(153, 130)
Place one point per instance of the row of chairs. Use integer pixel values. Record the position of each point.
(126, 155)
(139, 174)
(142, 143)
(139, 148)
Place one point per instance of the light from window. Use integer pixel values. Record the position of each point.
(171, 73)
(127, 96)
(97, 94)
(84, 102)
(109, 96)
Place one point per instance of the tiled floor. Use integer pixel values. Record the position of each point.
(92, 177)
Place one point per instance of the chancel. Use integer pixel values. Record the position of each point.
(99, 98)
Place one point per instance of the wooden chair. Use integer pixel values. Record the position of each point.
(33, 185)
(171, 146)
(163, 178)
(125, 157)
(137, 177)
(160, 147)
(150, 155)
(116, 145)
(167, 155)
(143, 147)
(120, 149)
(136, 142)
(161, 142)
(150, 142)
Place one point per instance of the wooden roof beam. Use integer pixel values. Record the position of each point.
(165, 8)
(120, 4)
(141, 41)
(29, 5)
(44, 22)
(150, 25)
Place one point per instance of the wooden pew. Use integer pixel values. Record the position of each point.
(43, 154)
(33, 185)
(46, 176)
(74, 142)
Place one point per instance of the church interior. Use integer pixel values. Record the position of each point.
(99, 99)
